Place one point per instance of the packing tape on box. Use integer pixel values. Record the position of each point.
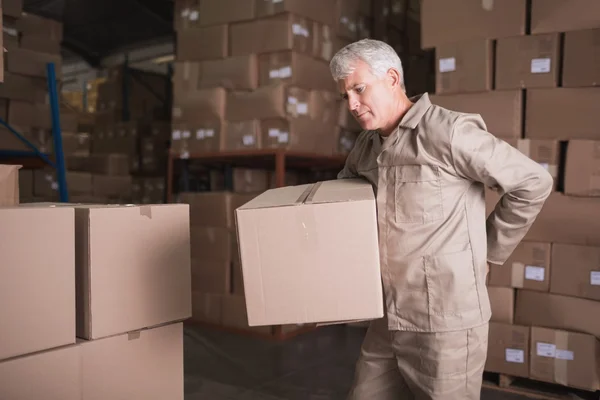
(146, 211)
(487, 5)
(561, 366)
(518, 273)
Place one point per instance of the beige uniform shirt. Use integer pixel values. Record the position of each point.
(435, 242)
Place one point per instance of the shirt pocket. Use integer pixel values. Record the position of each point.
(418, 194)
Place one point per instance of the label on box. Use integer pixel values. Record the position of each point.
(274, 73)
(302, 108)
(595, 278)
(447, 64)
(284, 137)
(54, 185)
(533, 273)
(186, 134)
(176, 112)
(565, 355)
(176, 135)
(285, 72)
(209, 133)
(299, 30)
(184, 155)
(194, 16)
(546, 166)
(185, 12)
(344, 20)
(352, 27)
(546, 350)
(273, 132)
(200, 134)
(292, 100)
(248, 140)
(10, 31)
(540, 65)
(276, 1)
(515, 356)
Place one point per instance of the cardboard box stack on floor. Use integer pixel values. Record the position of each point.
(253, 74)
(536, 89)
(95, 311)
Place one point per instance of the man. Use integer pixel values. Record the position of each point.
(429, 166)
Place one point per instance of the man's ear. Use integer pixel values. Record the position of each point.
(394, 77)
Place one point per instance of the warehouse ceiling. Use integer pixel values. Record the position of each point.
(94, 29)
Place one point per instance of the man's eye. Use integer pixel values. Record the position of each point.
(360, 89)
(345, 96)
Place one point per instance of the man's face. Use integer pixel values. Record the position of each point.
(370, 98)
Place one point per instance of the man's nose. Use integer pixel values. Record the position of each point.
(352, 104)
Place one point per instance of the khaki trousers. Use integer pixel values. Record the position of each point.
(414, 365)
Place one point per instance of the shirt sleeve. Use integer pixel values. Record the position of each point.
(523, 183)
(349, 171)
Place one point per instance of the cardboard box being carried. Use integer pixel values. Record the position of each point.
(9, 185)
(306, 251)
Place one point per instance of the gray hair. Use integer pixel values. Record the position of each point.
(378, 55)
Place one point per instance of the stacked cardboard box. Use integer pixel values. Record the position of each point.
(99, 301)
(536, 91)
(254, 74)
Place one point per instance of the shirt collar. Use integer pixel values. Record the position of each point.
(414, 114)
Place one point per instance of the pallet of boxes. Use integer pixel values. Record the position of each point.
(92, 299)
(252, 75)
(532, 75)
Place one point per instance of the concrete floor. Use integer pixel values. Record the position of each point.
(315, 366)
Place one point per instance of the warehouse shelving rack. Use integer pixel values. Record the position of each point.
(34, 158)
(279, 160)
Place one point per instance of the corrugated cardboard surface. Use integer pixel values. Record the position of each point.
(346, 21)
(144, 365)
(560, 15)
(209, 276)
(31, 63)
(196, 138)
(299, 134)
(566, 358)
(576, 106)
(279, 33)
(37, 279)
(226, 11)
(575, 271)
(235, 315)
(9, 185)
(209, 43)
(557, 312)
(195, 106)
(292, 257)
(242, 135)
(502, 111)
(486, 20)
(325, 108)
(581, 64)
(76, 143)
(215, 209)
(273, 101)
(502, 301)
(316, 10)
(582, 169)
(527, 61)
(51, 375)
(12, 8)
(233, 73)
(465, 67)
(577, 218)
(546, 152)
(528, 267)
(34, 25)
(508, 349)
(296, 69)
(133, 267)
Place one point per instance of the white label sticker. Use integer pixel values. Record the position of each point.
(285, 72)
(274, 73)
(352, 27)
(273, 132)
(54, 185)
(344, 20)
(546, 350)
(186, 134)
(184, 155)
(540, 65)
(297, 29)
(276, 1)
(545, 166)
(565, 355)
(10, 31)
(447, 64)
(595, 278)
(515, 356)
(176, 135)
(194, 16)
(302, 108)
(200, 134)
(210, 133)
(185, 12)
(248, 140)
(292, 100)
(284, 137)
(534, 273)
